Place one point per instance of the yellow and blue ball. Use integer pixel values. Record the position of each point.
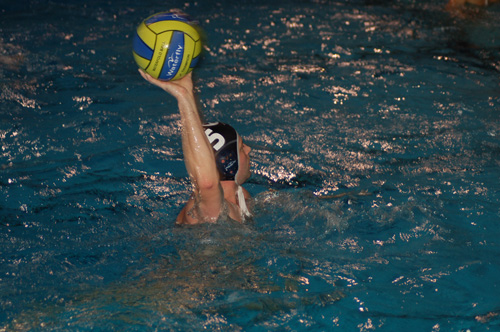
(167, 45)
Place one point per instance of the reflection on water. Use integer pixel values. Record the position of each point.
(200, 276)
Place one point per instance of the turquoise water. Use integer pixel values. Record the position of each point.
(374, 128)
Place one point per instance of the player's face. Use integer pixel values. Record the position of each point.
(244, 161)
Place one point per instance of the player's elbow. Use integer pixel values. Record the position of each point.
(207, 184)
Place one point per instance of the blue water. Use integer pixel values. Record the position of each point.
(375, 132)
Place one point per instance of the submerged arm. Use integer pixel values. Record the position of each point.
(198, 153)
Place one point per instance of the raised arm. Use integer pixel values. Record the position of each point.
(198, 153)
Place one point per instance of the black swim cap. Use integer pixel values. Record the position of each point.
(224, 141)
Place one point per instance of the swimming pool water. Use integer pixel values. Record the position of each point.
(374, 128)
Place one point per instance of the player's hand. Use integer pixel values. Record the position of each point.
(178, 89)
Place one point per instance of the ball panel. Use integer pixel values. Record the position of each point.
(175, 55)
(141, 62)
(142, 49)
(196, 54)
(197, 49)
(147, 36)
(163, 26)
(185, 67)
(194, 62)
(160, 54)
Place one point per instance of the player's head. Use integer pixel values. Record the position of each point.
(232, 166)
(224, 141)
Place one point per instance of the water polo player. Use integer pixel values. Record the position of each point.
(216, 159)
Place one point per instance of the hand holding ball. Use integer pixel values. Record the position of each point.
(167, 46)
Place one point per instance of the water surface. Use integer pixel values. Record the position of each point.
(374, 128)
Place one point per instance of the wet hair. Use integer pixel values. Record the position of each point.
(224, 141)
